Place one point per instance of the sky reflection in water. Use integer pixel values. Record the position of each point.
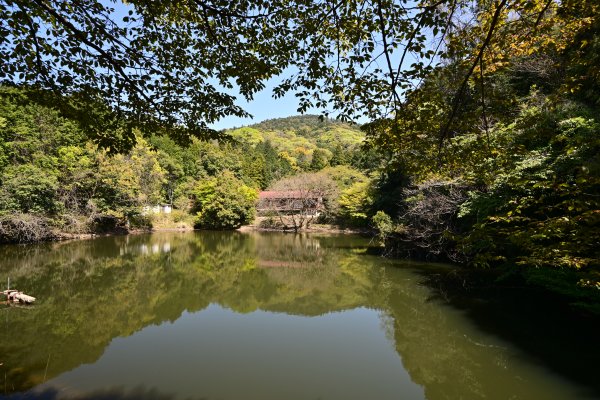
(246, 316)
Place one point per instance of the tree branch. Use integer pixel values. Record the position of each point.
(84, 39)
(463, 86)
(387, 54)
(541, 14)
(485, 119)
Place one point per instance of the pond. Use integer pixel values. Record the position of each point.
(230, 315)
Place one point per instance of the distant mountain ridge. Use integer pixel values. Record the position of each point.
(299, 136)
(305, 124)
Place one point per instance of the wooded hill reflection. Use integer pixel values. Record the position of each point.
(93, 291)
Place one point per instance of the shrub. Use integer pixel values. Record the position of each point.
(139, 221)
(271, 222)
(430, 217)
(384, 225)
(24, 228)
(224, 202)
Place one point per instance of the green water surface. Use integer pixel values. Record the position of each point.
(222, 315)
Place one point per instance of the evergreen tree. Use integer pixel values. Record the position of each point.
(319, 160)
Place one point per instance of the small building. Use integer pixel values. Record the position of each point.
(289, 202)
(157, 209)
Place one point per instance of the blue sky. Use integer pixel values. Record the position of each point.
(264, 106)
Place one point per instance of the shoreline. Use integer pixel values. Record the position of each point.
(462, 282)
(66, 236)
(62, 236)
(315, 228)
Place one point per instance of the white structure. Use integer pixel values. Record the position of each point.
(157, 209)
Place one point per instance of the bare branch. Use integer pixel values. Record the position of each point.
(457, 97)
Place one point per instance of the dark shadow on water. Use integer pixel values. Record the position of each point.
(108, 394)
(124, 284)
(549, 331)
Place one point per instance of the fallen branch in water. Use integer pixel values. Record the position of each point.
(18, 297)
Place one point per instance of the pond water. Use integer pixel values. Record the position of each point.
(230, 315)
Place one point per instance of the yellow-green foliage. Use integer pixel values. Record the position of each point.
(355, 201)
(297, 138)
(248, 135)
(356, 197)
(542, 206)
(177, 219)
(344, 175)
(224, 202)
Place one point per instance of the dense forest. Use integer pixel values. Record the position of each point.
(485, 150)
(56, 181)
(509, 177)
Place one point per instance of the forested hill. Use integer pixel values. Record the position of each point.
(298, 137)
(313, 126)
(56, 180)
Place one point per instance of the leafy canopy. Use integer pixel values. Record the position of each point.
(163, 64)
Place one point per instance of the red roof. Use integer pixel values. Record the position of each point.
(288, 194)
(281, 194)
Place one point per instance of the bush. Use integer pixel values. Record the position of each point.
(105, 223)
(25, 228)
(140, 221)
(271, 222)
(384, 225)
(75, 224)
(224, 202)
(179, 216)
(430, 217)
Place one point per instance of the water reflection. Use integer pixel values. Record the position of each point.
(107, 394)
(108, 297)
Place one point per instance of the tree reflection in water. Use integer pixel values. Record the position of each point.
(93, 291)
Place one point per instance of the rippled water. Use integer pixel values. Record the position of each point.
(209, 315)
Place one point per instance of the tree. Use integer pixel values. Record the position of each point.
(320, 159)
(129, 181)
(171, 160)
(273, 166)
(340, 156)
(28, 188)
(224, 202)
(156, 65)
(302, 198)
(166, 64)
(344, 176)
(516, 187)
(384, 225)
(253, 167)
(355, 203)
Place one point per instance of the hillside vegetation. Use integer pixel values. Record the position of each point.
(502, 171)
(308, 142)
(56, 181)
